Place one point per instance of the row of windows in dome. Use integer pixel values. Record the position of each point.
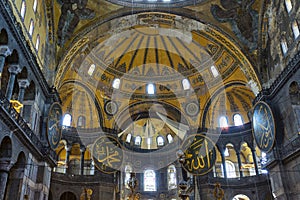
(67, 121)
(151, 87)
(237, 120)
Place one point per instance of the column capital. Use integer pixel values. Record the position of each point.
(23, 83)
(68, 148)
(82, 149)
(14, 68)
(5, 164)
(4, 50)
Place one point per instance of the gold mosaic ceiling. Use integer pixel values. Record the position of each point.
(157, 48)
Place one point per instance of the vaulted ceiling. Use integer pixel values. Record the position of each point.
(203, 42)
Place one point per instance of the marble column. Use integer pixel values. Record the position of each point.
(23, 84)
(68, 152)
(254, 160)
(4, 52)
(223, 163)
(82, 151)
(13, 70)
(5, 166)
(238, 155)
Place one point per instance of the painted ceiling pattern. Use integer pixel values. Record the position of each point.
(162, 49)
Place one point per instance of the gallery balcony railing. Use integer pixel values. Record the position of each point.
(15, 121)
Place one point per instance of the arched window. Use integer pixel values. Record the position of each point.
(128, 138)
(230, 169)
(160, 141)
(214, 71)
(67, 120)
(186, 84)
(116, 83)
(288, 5)
(81, 122)
(237, 119)
(23, 9)
(37, 43)
(34, 7)
(284, 46)
(223, 122)
(169, 138)
(172, 180)
(295, 29)
(240, 197)
(31, 27)
(128, 170)
(149, 180)
(150, 88)
(91, 69)
(138, 140)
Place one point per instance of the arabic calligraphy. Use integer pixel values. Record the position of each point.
(263, 126)
(107, 154)
(200, 154)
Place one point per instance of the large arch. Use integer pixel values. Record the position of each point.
(68, 196)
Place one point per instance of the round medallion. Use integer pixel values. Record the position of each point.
(192, 109)
(111, 107)
(263, 126)
(54, 124)
(199, 154)
(107, 154)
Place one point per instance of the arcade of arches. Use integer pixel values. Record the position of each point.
(149, 99)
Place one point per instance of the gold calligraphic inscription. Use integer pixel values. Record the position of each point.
(263, 126)
(107, 154)
(200, 154)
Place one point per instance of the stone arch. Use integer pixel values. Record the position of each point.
(231, 157)
(3, 37)
(68, 196)
(15, 182)
(23, 74)
(30, 92)
(247, 162)
(6, 148)
(13, 57)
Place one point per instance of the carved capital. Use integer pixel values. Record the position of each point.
(4, 50)
(68, 148)
(82, 149)
(5, 164)
(14, 69)
(23, 83)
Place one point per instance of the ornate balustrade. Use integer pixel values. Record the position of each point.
(14, 120)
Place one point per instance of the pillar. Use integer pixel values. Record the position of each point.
(82, 151)
(4, 52)
(13, 70)
(5, 166)
(254, 160)
(23, 84)
(223, 163)
(68, 152)
(238, 155)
